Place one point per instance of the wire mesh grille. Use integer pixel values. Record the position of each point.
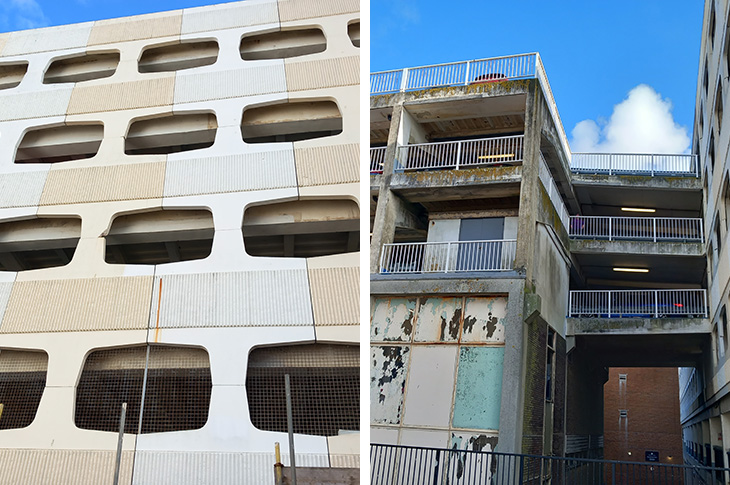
(325, 388)
(22, 380)
(177, 396)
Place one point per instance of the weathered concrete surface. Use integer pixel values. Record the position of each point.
(643, 181)
(446, 284)
(583, 326)
(664, 248)
(323, 476)
(458, 184)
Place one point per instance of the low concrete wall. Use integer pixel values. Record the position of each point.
(323, 476)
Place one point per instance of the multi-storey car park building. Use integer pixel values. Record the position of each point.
(508, 274)
(178, 230)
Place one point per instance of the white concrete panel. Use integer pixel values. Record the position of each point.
(424, 438)
(227, 16)
(22, 189)
(231, 173)
(63, 467)
(384, 436)
(443, 230)
(38, 104)
(234, 83)
(254, 298)
(510, 227)
(430, 386)
(48, 39)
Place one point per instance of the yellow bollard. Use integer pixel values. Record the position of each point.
(1, 409)
(278, 466)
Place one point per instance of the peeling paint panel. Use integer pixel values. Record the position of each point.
(387, 383)
(478, 388)
(484, 319)
(392, 319)
(438, 320)
(429, 391)
(470, 465)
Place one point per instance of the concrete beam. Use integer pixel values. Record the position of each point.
(660, 248)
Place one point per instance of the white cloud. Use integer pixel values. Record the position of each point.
(641, 123)
(22, 14)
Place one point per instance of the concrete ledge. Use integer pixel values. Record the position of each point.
(676, 183)
(667, 248)
(634, 326)
(476, 90)
(503, 283)
(323, 476)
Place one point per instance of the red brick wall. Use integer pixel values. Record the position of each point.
(651, 397)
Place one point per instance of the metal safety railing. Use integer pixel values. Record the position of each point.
(553, 193)
(407, 465)
(635, 164)
(377, 159)
(460, 154)
(638, 303)
(637, 228)
(446, 257)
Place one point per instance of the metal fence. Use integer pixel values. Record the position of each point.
(377, 159)
(406, 465)
(638, 303)
(460, 154)
(552, 189)
(635, 163)
(637, 228)
(446, 257)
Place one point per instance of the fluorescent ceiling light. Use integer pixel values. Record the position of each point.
(636, 209)
(632, 270)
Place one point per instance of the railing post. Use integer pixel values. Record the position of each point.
(702, 231)
(654, 223)
(570, 304)
(610, 164)
(651, 161)
(656, 303)
(382, 259)
(404, 80)
(609, 227)
(458, 154)
(609, 303)
(466, 75)
(448, 257)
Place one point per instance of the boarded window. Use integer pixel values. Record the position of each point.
(12, 74)
(159, 237)
(84, 67)
(177, 396)
(291, 121)
(60, 143)
(353, 31)
(38, 243)
(176, 57)
(325, 388)
(22, 380)
(302, 229)
(171, 134)
(283, 44)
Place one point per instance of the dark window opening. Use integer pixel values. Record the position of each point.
(324, 383)
(176, 57)
(38, 243)
(159, 237)
(84, 67)
(718, 107)
(171, 134)
(705, 78)
(711, 153)
(302, 229)
(177, 396)
(291, 121)
(283, 44)
(60, 144)
(22, 381)
(353, 31)
(712, 26)
(12, 74)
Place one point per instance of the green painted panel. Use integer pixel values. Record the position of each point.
(478, 388)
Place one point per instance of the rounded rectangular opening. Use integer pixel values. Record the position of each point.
(84, 67)
(38, 243)
(12, 74)
(60, 143)
(353, 31)
(283, 44)
(291, 121)
(22, 381)
(171, 134)
(176, 57)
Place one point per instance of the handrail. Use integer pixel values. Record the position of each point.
(377, 159)
(461, 154)
(651, 164)
(448, 256)
(638, 303)
(636, 228)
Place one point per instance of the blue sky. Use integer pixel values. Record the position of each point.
(595, 52)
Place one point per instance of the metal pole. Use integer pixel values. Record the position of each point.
(119, 443)
(290, 428)
(278, 466)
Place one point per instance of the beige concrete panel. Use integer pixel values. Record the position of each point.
(101, 184)
(335, 296)
(344, 450)
(41, 104)
(120, 96)
(327, 165)
(229, 15)
(303, 9)
(134, 28)
(341, 191)
(78, 305)
(335, 30)
(47, 39)
(323, 73)
(63, 467)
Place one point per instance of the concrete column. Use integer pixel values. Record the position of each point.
(513, 377)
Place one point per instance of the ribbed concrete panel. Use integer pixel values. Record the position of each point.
(194, 468)
(21, 189)
(100, 184)
(5, 289)
(3, 40)
(135, 28)
(256, 298)
(221, 17)
(230, 84)
(344, 461)
(63, 467)
(327, 165)
(324, 73)
(48, 39)
(119, 96)
(335, 296)
(232, 173)
(78, 305)
(304, 9)
(34, 105)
